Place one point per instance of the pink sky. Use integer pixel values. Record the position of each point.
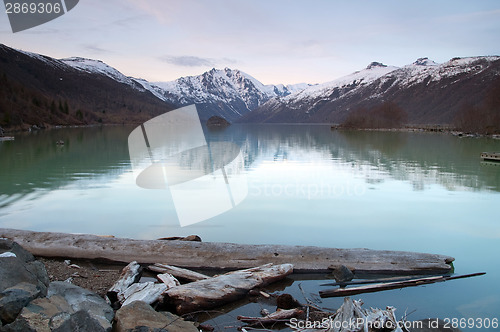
(274, 41)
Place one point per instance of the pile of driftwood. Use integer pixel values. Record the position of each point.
(350, 317)
(199, 292)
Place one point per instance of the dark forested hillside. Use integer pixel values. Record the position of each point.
(38, 90)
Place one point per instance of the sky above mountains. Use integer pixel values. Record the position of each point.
(275, 41)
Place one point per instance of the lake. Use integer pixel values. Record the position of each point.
(305, 185)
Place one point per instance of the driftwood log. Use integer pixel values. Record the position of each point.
(213, 292)
(177, 272)
(227, 255)
(148, 292)
(130, 275)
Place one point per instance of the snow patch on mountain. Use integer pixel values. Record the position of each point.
(294, 88)
(425, 62)
(97, 67)
(363, 77)
(426, 71)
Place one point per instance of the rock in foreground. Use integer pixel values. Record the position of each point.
(66, 308)
(22, 279)
(140, 316)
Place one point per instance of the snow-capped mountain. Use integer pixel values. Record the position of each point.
(225, 92)
(344, 84)
(429, 92)
(96, 92)
(228, 93)
(96, 67)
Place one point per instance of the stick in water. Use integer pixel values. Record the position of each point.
(392, 285)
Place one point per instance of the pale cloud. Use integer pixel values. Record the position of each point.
(188, 61)
(194, 61)
(275, 41)
(96, 49)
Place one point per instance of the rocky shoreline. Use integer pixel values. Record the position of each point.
(51, 294)
(32, 298)
(56, 294)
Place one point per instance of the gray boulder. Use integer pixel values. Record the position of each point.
(80, 321)
(66, 308)
(21, 253)
(140, 316)
(81, 299)
(22, 279)
(342, 273)
(18, 265)
(14, 299)
(42, 314)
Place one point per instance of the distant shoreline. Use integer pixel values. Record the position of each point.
(35, 128)
(424, 128)
(445, 129)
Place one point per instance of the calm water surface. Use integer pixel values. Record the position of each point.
(307, 185)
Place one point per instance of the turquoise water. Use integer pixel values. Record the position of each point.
(307, 185)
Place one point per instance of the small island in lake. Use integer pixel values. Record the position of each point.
(217, 122)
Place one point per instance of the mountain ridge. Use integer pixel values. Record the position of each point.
(228, 92)
(95, 92)
(430, 93)
(40, 91)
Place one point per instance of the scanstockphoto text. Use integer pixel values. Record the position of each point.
(306, 190)
(357, 324)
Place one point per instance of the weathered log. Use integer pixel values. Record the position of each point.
(227, 255)
(130, 274)
(278, 316)
(168, 280)
(177, 272)
(391, 285)
(147, 292)
(213, 292)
